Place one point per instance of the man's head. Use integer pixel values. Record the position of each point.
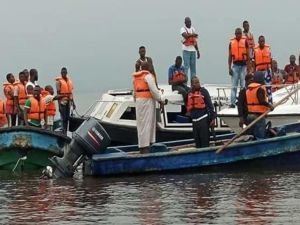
(22, 77)
(261, 41)
(37, 92)
(248, 79)
(142, 51)
(293, 59)
(29, 90)
(10, 78)
(26, 72)
(274, 65)
(145, 66)
(238, 33)
(178, 61)
(33, 73)
(64, 72)
(49, 88)
(246, 26)
(188, 22)
(195, 83)
(259, 77)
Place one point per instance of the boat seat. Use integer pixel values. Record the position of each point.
(182, 119)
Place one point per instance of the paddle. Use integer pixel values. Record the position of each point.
(256, 120)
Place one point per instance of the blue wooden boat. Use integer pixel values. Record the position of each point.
(280, 151)
(29, 148)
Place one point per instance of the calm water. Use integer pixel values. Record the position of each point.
(198, 198)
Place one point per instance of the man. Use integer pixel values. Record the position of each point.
(237, 63)
(201, 111)
(64, 87)
(257, 102)
(251, 43)
(242, 102)
(20, 97)
(189, 47)
(35, 113)
(33, 78)
(292, 71)
(263, 61)
(3, 119)
(177, 78)
(10, 103)
(146, 94)
(48, 95)
(277, 77)
(26, 72)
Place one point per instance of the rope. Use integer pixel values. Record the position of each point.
(22, 158)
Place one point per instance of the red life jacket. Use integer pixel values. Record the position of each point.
(195, 100)
(190, 41)
(178, 76)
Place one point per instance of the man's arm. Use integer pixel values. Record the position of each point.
(153, 88)
(230, 60)
(26, 110)
(209, 105)
(261, 96)
(170, 74)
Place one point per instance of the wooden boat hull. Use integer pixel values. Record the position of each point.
(277, 151)
(28, 148)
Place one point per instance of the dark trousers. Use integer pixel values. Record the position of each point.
(65, 116)
(182, 89)
(201, 132)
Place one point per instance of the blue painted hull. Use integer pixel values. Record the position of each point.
(34, 145)
(281, 151)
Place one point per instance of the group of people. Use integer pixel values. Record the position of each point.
(29, 104)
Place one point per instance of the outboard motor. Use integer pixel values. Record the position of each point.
(90, 138)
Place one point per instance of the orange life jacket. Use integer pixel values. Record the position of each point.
(250, 40)
(252, 100)
(178, 76)
(140, 86)
(66, 88)
(2, 113)
(9, 93)
(190, 41)
(276, 80)
(22, 96)
(37, 109)
(293, 75)
(195, 100)
(238, 49)
(51, 107)
(262, 57)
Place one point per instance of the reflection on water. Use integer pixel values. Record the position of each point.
(209, 198)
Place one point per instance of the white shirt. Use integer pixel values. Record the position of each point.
(191, 30)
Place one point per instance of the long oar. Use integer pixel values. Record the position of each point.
(256, 120)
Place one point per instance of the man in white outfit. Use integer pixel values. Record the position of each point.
(146, 94)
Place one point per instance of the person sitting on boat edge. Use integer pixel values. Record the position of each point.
(35, 113)
(201, 111)
(10, 103)
(257, 102)
(178, 79)
(242, 102)
(146, 94)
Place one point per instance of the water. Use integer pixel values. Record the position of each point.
(198, 198)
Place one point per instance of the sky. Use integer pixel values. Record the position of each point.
(98, 40)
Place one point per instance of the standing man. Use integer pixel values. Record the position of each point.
(263, 61)
(64, 87)
(10, 103)
(146, 94)
(20, 97)
(48, 95)
(189, 47)
(201, 110)
(292, 71)
(251, 44)
(35, 113)
(177, 78)
(33, 78)
(237, 63)
(278, 76)
(258, 104)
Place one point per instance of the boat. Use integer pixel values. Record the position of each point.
(280, 151)
(286, 113)
(116, 113)
(24, 148)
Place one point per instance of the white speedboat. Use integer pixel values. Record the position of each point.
(116, 113)
(286, 113)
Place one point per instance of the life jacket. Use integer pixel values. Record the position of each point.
(140, 86)
(252, 100)
(178, 76)
(238, 49)
(293, 75)
(51, 107)
(190, 41)
(276, 80)
(250, 39)
(3, 119)
(195, 100)
(66, 88)
(22, 95)
(262, 57)
(37, 109)
(8, 92)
